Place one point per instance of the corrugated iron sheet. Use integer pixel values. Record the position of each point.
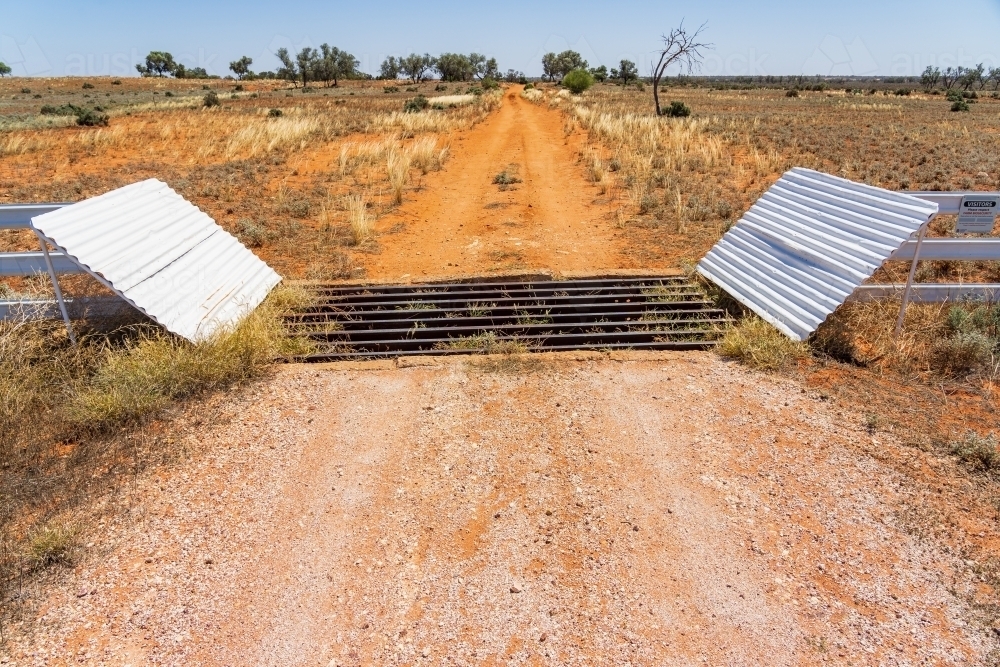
(163, 255)
(808, 243)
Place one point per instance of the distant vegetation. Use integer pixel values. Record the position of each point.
(162, 63)
(4, 69)
(328, 64)
(450, 67)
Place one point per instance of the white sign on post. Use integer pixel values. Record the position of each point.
(978, 213)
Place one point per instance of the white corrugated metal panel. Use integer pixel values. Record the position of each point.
(163, 255)
(808, 243)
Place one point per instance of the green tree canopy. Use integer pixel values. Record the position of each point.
(455, 67)
(4, 69)
(390, 69)
(333, 64)
(241, 67)
(158, 63)
(416, 66)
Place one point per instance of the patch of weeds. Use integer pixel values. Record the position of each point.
(485, 343)
(759, 345)
(211, 99)
(477, 309)
(978, 451)
(52, 544)
(524, 318)
(417, 305)
(872, 423)
(251, 233)
(507, 177)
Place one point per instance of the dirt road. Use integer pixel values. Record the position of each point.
(461, 222)
(579, 510)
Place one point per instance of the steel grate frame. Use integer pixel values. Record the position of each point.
(378, 321)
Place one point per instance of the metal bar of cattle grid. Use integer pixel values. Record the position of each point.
(651, 312)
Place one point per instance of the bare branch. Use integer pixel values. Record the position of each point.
(682, 48)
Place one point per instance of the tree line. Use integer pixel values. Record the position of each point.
(555, 66)
(965, 78)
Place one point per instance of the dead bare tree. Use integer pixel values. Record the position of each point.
(679, 47)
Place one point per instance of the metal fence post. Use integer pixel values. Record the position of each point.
(55, 285)
(909, 282)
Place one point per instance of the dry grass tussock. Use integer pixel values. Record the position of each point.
(759, 345)
(452, 100)
(362, 224)
(55, 397)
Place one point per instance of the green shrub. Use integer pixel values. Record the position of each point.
(87, 85)
(239, 88)
(792, 93)
(26, 91)
(759, 345)
(390, 89)
(116, 82)
(960, 105)
(251, 233)
(91, 117)
(168, 94)
(490, 84)
(440, 88)
(416, 105)
(979, 451)
(961, 353)
(578, 81)
(274, 113)
(903, 92)
(677, 110)
(211, 99)
(529, 86)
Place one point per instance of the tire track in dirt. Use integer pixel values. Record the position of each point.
(460, 223)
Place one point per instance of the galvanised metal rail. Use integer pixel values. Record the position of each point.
(18, 216)
(348, 322)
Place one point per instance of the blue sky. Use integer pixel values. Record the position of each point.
(42, 38)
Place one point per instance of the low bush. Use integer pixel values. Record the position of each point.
(529, 86)
(792, 93)
(252, 234)
(902, 92)
(578, 81)
(977, 450)
(973, 337)
(677, 110)
(84, 116)
(91, 117)
(759, 345)
(26, 91)
(211, 99)
(960, 105)
(490, 84)
(168, 94)
(274, 113)
(440, 88)
(116, 82)
(390, 89)
(88, 86)
(416, 105)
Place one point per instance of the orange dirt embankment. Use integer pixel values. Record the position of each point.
(459, 222)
